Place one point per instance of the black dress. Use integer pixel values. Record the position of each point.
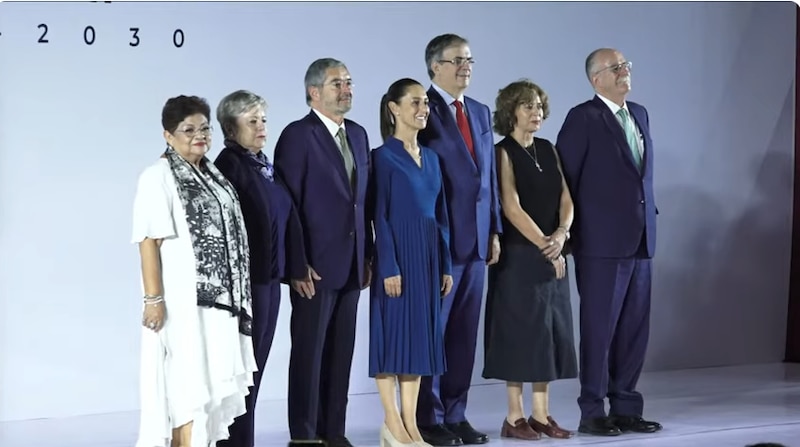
(528, 334)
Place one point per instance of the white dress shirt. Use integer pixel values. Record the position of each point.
(614, 109)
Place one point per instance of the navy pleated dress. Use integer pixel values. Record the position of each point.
(411, 240)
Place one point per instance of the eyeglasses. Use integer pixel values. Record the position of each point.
(339, 83)
(191, 131)
(617, 68)
(458, 61)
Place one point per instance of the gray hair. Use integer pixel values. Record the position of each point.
(436, 47)
(590, 61)
(315, 75)
(235, 105)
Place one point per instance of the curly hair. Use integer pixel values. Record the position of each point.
(179, 108)
(510, 97)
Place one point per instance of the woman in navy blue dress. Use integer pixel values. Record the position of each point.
(273, 229)
(413, 266)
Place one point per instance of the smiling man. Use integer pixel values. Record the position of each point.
(324, 161)
(607, 155)
(459, 130)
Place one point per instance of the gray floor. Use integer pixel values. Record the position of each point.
(715, 407)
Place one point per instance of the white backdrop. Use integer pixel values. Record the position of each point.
(78, 122)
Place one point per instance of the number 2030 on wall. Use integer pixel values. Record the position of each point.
(90, 35)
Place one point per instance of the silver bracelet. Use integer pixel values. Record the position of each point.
(151, 299)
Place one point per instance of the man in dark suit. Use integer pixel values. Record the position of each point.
(324, 161)
(607, 157)
(459, 130)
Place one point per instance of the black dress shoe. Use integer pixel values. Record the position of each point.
(468, 434)
(635, 424)
(439, 435)
(339, 441)
(599, 427)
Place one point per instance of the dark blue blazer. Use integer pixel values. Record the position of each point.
(254, 197)
(332, 213)
(614, 201)
(471, 188)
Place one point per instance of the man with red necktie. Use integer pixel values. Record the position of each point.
(459, 130)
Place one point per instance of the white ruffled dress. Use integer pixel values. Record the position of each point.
(198, 367)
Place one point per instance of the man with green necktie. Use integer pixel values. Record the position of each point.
(607, 158)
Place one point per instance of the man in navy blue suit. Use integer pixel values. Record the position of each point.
(459, 130)
(607, 157)
(324, 161)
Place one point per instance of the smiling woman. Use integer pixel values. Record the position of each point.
(414, 267)
(197, 357)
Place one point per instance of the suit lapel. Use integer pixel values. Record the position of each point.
(359, 163)
(616, 130)
(474, 129)
(450, 128)
(330, 151)
(639, 120)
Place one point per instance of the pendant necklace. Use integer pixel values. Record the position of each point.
(534, 157)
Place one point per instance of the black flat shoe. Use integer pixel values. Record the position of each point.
(599, 427)
(635, 424)
(439, 435)
(339, 441)
(468, 434)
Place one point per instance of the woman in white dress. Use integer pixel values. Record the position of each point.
(197, 356)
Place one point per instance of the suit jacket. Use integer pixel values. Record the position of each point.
(332, 214)
(614, 201)
(470, 186)
(254, 197)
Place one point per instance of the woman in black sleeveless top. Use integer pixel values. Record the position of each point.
(528, 335)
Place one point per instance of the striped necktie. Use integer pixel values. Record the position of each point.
(630, 135)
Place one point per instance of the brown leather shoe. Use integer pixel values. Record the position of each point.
(520, 430)
(551, 429)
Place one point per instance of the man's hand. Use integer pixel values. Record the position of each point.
(367, 275)
(494, 249)
(305, 286)
(447, 285)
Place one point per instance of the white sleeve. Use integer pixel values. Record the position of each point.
(152, 206)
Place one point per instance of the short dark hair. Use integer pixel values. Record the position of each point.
(396, 91)
(766, 444)
(510, 97)
(178, 108)
(436, 47)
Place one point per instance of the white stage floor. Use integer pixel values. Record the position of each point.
(715, 407)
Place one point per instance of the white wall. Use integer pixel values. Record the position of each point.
(78, 123)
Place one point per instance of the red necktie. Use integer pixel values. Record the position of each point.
(463, 126)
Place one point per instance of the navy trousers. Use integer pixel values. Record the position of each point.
(323, 331)
(614, 328)
(443, 399)
(266, 304)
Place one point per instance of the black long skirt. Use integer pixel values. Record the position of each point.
(528, 333)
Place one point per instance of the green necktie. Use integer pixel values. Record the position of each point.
(630, 135)
(347, 155)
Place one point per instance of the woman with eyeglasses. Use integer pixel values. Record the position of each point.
(197, 354)
(273, 227)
